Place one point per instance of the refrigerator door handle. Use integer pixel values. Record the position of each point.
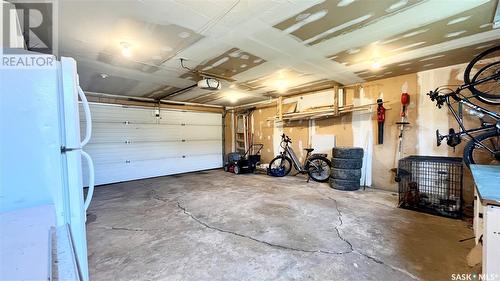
(90, 193)
(88, 117)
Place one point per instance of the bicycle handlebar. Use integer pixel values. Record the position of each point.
(435, 96)
(441, 98)
(285, 139)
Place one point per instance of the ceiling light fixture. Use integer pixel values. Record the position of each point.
(126, 49)
(376, 64)
(233, 99)
(281, 85)
(232, 96)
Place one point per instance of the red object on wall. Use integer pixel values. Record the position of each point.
(380, 120)
(380, 113)
(405, 101)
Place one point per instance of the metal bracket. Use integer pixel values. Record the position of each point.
(65, 149)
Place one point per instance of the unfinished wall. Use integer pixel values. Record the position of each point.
(228, 132)
(263, 130)
(419, 136)
(385, 155)
(356, 128)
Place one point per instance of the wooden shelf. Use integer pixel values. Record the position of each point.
(327, 111)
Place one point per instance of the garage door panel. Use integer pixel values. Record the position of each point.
(117, 172)
(119, 132)
(202, 118)
(202, 162)
(191, 118)
(172, 117)
(131, 143)
(200, 132)
(118, 114)
(122, 152)
(202, 147)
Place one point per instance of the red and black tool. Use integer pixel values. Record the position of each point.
(405, 101)
(380, 120)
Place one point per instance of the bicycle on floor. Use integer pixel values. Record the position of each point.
(483, 146)
(317, 166)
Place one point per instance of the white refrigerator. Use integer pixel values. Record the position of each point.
(42, 153)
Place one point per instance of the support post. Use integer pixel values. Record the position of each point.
(280, 108)
(335, 100)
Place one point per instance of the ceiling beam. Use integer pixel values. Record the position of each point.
(176, 93)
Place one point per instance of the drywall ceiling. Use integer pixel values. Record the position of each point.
(264, 48)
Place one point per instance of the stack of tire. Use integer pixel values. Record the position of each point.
(345, 173)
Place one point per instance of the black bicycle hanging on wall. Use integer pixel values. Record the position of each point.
(317, 166)
(483, 146)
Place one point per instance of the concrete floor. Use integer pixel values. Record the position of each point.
(220, 226)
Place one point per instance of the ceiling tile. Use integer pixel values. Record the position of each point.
(456, 56)
(331, 18)
(150, 44)
(461, 25)
(228, 64)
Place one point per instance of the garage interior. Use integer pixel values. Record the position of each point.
(201, 116)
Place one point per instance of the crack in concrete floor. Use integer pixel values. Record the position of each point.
(255, 239)
(206, 225)
(351, 248)
(358, 252)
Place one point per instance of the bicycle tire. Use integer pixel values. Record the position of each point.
(347, 152)
(470, 147)
(325, 173)
(345, 185)
(345, 174)
(283, 158)
(340, 163)
(485, 97)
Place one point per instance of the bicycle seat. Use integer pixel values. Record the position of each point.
(308, 149)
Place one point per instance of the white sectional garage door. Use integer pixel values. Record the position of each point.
(131, 143)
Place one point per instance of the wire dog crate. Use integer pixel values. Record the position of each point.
(431, 184)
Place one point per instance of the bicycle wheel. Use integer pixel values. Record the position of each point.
(318, 168)
(281, 161)
(475, 154)
(487, 92)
